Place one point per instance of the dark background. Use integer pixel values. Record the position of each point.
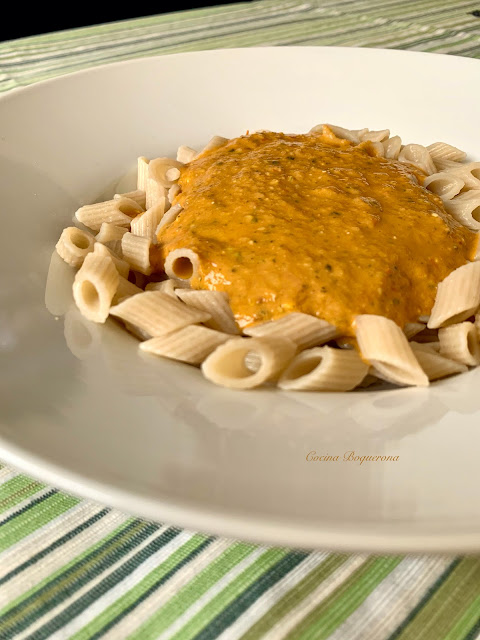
(27, 19)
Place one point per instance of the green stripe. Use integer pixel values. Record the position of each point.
(17, 489)
(161, 574)
(220, 601)
(180, 602)
(65, 582)
(295, 597)
(335, 609)
(109, 582)
(245, 600)
(467, 622)
(444, 609)
(425, 598)
(55, 545)
(34, 517)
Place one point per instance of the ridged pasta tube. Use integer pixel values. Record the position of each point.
(136, 251)
(145, 224)
(392, 147)
(165, 171)
(111, 236)
(375, 136)
(460, 342)
(214, 303)
(383, 344)
(419, 156)
(435, 365)
(226, 365)
(186, 154)
(157, 313)
(168, 217)
(125, 289)
(458, 296)
(303, 329)
(121, 266)
(214, 143)
(466, 209)
(142, 173)
(74, 245)
(191, 344)
(119, 212)
(182, 264)
(445, 185)
(324, 369)
(94, 287)
(444, 151)
(469, 173)
(138, 195)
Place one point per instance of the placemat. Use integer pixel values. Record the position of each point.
(70, 568)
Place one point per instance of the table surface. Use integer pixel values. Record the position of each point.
(70, 568)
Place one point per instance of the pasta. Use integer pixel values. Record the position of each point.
(191, 344)
(226, 365)
(383, 344)
(458, 296)
(157, 313)
(324, 369)
(74, 245)
(118, 211)
(94, 287)
(193, 315)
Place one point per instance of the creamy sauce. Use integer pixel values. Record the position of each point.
(315, 224)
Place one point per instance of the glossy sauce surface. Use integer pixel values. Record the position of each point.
(315, 224)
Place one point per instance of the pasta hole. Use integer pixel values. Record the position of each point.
(476, 173)
(476, 214)
(236, 366)
(252, 361)
(128, 209)
(172, 174)
(89, 294)
(183, 268)
(79, 240)
(304, 367)
(472, 343)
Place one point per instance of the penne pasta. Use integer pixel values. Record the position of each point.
(458, 296)
(145, 224)
(214, 303)
(121, 266)
(138, 195)
(445, 185)
(460, 343)
(392, 147)
(346, 134)
(142, 174)
(302, 329)
(182, 264)
(94, 287)
(74, 245)
(118, 211)
(375, 136)
(155, 193)
(157, 313)
(165, 286)
(383, 344)
(125, 289)
(412, 328)
(136, 251)
(466, 209)
(173, 192)
(186, 154)
(324, 369)
(214, 143)
(111, 236)
(169, 217)
(419, 156)
(447, 165)
(165, 171)
(469, 173)
(444, 151)
(226, 365)
(191, 344)
(435, 365)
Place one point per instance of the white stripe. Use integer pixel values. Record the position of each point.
(162, 595)
(283, 627)
(58, 558)
(390, 603)
(130, 581)
(92, 583)
(261, 606)
(199, 604)
(43, 535)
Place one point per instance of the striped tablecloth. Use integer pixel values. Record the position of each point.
(71, 568)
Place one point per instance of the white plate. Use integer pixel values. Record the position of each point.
(153, 437)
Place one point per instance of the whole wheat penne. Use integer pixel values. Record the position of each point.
(191, 344)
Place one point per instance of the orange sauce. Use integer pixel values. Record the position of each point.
(315, 224)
